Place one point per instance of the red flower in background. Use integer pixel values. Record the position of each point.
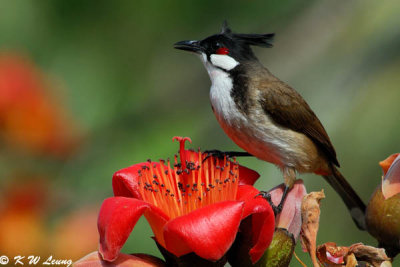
(192, 206)
(30, 118)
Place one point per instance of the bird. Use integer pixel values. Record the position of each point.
(265, 116)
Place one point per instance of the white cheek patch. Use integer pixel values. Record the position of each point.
(223, 61)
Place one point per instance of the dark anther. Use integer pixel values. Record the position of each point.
(162, 185)
(172, 195)
(191, 166)
(149, 160)
(154, 176)
(178, 165)
(178, 171)
(199, 198)
(188, 185)
(187, 171)
(231, 172)
(166, 172)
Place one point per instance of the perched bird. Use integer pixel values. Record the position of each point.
(265, 116)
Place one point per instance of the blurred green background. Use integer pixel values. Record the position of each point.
(111, 91)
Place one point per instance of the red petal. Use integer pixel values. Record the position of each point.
(391, 181)
(209, 231)
(157, 219)
(385, 164)
(124, 260)
(117, 217)
(263, 220)
(247, 176)
(125, 181)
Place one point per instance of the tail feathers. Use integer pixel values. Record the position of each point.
(353, 202)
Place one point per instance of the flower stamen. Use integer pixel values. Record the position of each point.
(190, 184)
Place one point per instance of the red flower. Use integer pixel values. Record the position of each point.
(192, 206)
(30, 117)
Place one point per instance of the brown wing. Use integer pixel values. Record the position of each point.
(288, 109)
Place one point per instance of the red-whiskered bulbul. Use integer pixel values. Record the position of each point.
(265, 116)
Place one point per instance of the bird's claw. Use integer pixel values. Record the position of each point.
(215, 153)
(267, 196)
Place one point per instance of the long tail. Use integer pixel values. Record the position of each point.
(353, 202)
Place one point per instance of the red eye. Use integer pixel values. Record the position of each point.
(222, 51)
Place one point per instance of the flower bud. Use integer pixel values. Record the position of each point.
(280, 251)
(383, 210)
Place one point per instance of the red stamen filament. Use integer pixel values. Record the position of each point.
(179, 191)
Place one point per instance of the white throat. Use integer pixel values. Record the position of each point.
(221, 85)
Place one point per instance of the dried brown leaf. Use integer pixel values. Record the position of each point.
(333, 256)
(351, 260)
(333, 250)
(372, 255)
(310, 211)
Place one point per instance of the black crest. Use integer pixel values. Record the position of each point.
(263, 40)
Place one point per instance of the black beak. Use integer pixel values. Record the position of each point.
(192, 46)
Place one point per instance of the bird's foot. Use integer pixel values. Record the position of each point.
(267, 196)
(214, 153)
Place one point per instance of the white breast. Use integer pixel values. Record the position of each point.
(261, 138)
